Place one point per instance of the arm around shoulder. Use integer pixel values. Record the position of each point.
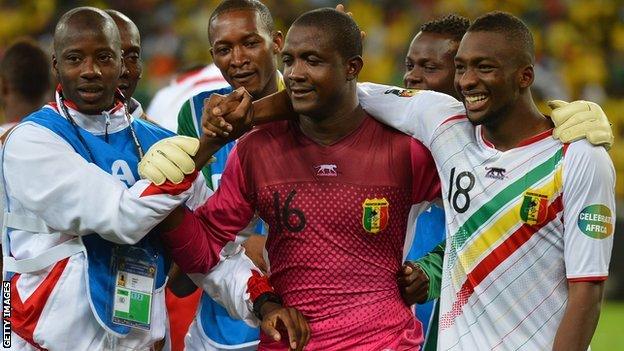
(414, 112)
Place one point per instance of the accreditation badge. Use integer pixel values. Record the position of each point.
(134, 286)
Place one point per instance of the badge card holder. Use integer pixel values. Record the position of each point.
(135, 273)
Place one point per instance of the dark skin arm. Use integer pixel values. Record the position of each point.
(232, 113)
(240, 103)
(275, 107)
(254, 249)
(581, 316)
(208, 145)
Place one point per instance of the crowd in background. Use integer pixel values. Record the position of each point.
(580, 43)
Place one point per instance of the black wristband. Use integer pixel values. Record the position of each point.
(262, 299)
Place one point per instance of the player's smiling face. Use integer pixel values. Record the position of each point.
(486, 75)
(314, 71)
(244, 50)
(429, 63)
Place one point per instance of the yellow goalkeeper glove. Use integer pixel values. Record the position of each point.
(580, 119)
(169, 159)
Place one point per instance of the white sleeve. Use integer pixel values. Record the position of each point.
(414, 112)
(589, 211)
(46, 177)
(200, 192)
(227, 282)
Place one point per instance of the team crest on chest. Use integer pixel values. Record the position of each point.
(534, 208)
(375, 215)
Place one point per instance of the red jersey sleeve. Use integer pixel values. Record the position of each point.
(196, 243)
(425, 183)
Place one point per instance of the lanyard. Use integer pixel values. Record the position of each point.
(135, 139)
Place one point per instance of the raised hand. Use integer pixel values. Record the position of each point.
(169, 159)
(228, 116)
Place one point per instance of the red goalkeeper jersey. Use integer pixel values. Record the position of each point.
(337, 219)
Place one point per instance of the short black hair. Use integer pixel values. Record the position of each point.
(250, 5)
(452, 25)
(345, 33)
(84, 18)
(512, 27)
(26, 67)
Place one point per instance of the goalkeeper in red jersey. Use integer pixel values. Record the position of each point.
(337, 220)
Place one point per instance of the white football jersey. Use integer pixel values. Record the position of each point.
(521, 224)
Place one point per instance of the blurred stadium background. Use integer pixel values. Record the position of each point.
(580, 46)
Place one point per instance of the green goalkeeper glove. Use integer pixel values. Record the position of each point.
(580, 119)
(169, 159)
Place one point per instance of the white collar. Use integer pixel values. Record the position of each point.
(137, 113)
(96, 124)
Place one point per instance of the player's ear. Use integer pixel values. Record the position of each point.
(278, 42)
(354, 66)
(526, 76)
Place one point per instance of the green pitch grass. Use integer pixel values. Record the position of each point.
(609, 333)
